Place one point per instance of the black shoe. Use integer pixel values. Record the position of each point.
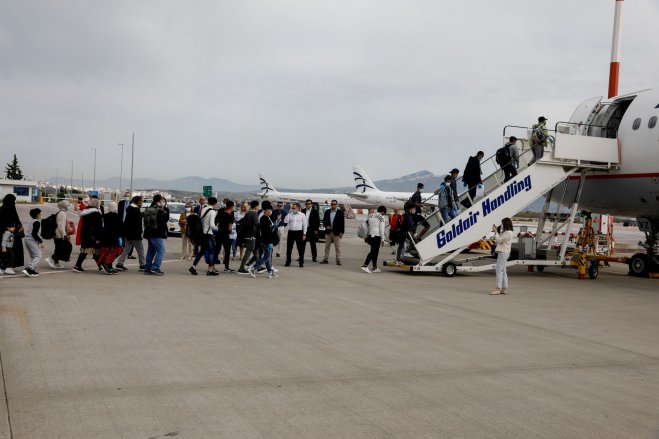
(103, 268)
(287, 264)
(193, 270)
(301, 265)
(314, 260)
(132, 257)
(157, 272)
(141, 267)
(261, 270)
(212, 273)
(324, 261)
(229, 270)
(243, 271)
(146, 271)
(78, 270)
(120, 267)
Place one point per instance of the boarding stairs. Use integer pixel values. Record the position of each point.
(569, 153)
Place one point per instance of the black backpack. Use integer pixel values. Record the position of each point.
(195, 229)
(49, 226)
(502, 155)
(150, 217)
(538, 136)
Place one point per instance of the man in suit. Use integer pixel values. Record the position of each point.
(334, 222)
(472, 176)
(313, 226)
(123, 205)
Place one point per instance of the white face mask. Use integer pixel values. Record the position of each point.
(126, 198)
(187, 209)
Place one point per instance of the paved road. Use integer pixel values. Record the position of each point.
(328, 351)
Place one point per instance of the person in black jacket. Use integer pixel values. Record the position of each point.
(111, 241)
(249, 231)
(90, 235)
(9, 215)
(155, 231)
(313, 226)
(268, 228)
(132, 233)
(334, 222)
(472, 176)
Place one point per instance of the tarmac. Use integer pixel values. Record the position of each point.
(328, 351)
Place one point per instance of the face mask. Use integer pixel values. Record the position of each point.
(187, 209)
(294, 210)
(126, 198)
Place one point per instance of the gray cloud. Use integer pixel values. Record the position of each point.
(299, 90)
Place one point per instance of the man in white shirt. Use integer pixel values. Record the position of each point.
(207, 214)
(297, 233)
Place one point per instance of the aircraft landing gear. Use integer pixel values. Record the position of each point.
(642, 264)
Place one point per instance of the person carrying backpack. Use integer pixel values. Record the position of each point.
(204, 237)
(156, 217)
(447, 200)
(539, 136)
(132, 232)
(61, 239)
(508, 158)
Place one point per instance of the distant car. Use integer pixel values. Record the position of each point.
(322, 208)
(175, 211)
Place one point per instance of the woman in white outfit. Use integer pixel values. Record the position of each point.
(375, 223)
(503, 241)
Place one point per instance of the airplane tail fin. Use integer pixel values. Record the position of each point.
(266, 187)
(363, 183)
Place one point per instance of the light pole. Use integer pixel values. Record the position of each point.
(121, 169)
(94, 181)
(132, 159)
(71, 187)
(56, 182)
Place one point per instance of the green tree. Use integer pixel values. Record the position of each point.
(13, 171)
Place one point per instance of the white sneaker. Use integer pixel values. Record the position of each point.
(10, 271)
(377, 270)
(51, 263)
(272, 275)
(59, 266)
(366, 270)
(252, 272)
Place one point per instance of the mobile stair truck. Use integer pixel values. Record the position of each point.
(570, 153)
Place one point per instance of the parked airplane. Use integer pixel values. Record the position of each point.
(631, 190)
(367, 192)
(268, 192)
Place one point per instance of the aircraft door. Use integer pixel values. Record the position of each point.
(586, 110)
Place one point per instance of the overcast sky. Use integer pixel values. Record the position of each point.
(299, 90)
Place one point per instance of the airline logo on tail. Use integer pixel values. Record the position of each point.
(266, 188)
(362, 182)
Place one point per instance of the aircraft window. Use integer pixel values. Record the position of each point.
(637, 123)
(652, 122)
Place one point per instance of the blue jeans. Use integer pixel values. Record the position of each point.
(267, 258)
(207, 251)
(448, 214)
(155, 254)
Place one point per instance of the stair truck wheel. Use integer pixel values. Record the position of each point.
(449, 269)
(639, 265)
(540, 268)
(593, 270)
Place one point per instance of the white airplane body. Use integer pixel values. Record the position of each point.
(367, 192)
(268, 192)
(632, 190)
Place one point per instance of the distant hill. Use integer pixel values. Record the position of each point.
(406, 183)
(188, 184)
